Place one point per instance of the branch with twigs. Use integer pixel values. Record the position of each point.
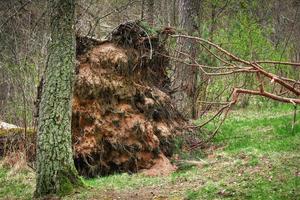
(233, 64)
(251, 66)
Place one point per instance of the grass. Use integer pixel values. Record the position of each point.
(264, 132)
(263, 152)
(255, 156)
(16, 182)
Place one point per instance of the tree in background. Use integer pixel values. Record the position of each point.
(148, 11)
(297, 31)
(56, 173)
(185, 78)
(21, 44)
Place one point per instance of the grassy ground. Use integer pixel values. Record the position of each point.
(255, 156)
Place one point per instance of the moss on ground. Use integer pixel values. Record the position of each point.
(16, 131)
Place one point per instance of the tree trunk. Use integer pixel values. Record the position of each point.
(56, 173)
(297, 31)
(149, 11)
(185, 78)
(297, 39)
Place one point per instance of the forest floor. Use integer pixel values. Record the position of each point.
(256, 155)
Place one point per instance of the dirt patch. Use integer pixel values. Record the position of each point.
(162, 167)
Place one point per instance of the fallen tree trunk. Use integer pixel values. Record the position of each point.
(14, 139)
(5, 126)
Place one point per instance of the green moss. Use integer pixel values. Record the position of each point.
(69, 181)
(66, 187)
(16, 131)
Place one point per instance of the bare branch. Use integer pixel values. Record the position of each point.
(278, 63)
(238, 91)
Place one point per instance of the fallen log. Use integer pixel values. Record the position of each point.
(4, 125)
(13, 139)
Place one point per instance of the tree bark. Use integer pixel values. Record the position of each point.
(185, 78)
(297, 31)
(149, 11)
(297, 39)
(56, 173)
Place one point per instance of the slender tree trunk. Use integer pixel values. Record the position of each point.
(297, 31)
(168, 10)
(297, 38)
(185, 78)
(56, 173)
(149, 11)
(174, 18)
(204, 79)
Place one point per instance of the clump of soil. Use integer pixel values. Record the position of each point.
(123, 117)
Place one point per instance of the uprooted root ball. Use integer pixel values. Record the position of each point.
(123, 117)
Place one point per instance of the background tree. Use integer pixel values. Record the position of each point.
(185, 78)
(21, 42)
(297, 31)
(55, 171)
(148, 11)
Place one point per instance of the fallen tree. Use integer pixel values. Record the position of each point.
(16, 139)
(123, 118)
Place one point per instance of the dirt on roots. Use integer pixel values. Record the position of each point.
(123, 116)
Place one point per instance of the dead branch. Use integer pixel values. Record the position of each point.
(212, 53)
(233, 57)
(234, 64)
(238, 91)
(278, 63)
(213, 117)
(273, 77)
(226, 108)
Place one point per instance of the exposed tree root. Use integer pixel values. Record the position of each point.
(123, 117)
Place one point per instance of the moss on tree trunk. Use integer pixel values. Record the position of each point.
(56, 173)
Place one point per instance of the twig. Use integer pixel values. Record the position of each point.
(256, 66)
(294, 118)
(212, 118)
(119, 9)
(227, 107)
(278, 63)
(14, 14)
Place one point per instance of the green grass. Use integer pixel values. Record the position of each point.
(264, 153)
(272, 131)
(16, 183)
(256, 155)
